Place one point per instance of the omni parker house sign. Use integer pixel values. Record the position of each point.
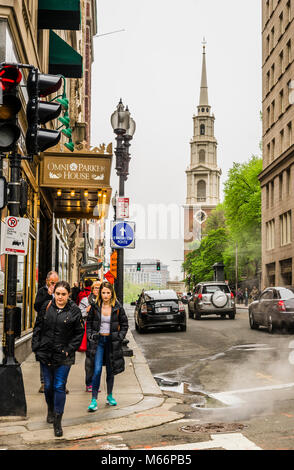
(77, 180)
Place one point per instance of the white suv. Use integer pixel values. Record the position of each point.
(212, 297)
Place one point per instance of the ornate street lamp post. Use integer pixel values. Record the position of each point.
(124, 128)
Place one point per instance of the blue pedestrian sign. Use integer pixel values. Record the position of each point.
(122, 234)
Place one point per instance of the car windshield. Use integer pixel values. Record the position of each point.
(286, 293)
(161, 295)
(213, 288)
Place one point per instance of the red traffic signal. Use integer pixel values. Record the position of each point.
(10, 77)
(40, 112)
(10, 105)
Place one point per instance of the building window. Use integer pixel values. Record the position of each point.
(273, 149)
(201, 191)
(270, 272)
(285, 228)
(272, 189)
(288, 181)
(267, 45)
(281, 57)
(202, 156)
(270, 235)
(202, 129)
(268, 82)
(273, 37)
(281, 110)
(289, 11)
(282, 141)
(281, 19)
(289, 127)
(289, 52)
(273, 75)
(267, 197)
(273, 112)
(281, 186)
(268, 121)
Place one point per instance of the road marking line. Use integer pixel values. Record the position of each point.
(228, 441)
(229, 398)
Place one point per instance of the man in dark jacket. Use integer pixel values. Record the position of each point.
(45, 294)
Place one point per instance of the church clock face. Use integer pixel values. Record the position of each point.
(200, 216)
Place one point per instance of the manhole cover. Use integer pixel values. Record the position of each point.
(213, 427)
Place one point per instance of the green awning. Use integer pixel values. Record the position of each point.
(59, 14)
(63, 59)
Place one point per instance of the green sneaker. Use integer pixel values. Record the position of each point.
(111, 401)
(93, 405)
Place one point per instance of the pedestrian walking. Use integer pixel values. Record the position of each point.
(45, 294)
(57, 335)
(246, 297)
(86, 291)
(75, 290)
(107, 326)
(85, 305)
(254, 293)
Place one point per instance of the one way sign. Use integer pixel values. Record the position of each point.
(122, 234)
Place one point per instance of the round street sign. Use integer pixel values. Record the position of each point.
(123, 235)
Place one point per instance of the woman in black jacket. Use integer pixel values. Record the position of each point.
(107, 325)
(57, 335)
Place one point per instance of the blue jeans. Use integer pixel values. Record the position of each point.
(103, 351)
(55, 379)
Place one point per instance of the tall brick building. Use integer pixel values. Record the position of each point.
(277, 176)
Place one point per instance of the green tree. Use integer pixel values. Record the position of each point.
(242, 205)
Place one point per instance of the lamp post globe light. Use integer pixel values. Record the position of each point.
(124, 128)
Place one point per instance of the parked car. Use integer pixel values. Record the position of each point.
(212, 297)
(274, 308)
(159, 308)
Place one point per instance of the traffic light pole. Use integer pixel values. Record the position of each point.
(12, 393)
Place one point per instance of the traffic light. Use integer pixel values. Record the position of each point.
(10, 105)
(138, 266)
(158, 266)
(39, 112)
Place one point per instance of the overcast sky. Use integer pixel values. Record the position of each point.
(155, 67)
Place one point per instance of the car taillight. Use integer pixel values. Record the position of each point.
(232, 295)
(144, 308)
(181, 307)
(199, 296)
(281, 306)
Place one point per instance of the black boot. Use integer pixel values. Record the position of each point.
(57, 424)
(50, 414)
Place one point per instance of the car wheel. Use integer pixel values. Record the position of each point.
(253, 325)
(136, 326)
(183, 327)
(223, 315)
(270, 326)
(232, 316)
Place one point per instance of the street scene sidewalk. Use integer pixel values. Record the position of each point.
(141, 404)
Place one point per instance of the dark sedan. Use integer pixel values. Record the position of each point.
(273, 309)
(159, 308)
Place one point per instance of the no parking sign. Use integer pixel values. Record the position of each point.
(15, 236)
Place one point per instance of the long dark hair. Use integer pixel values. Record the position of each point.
(109, 286)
